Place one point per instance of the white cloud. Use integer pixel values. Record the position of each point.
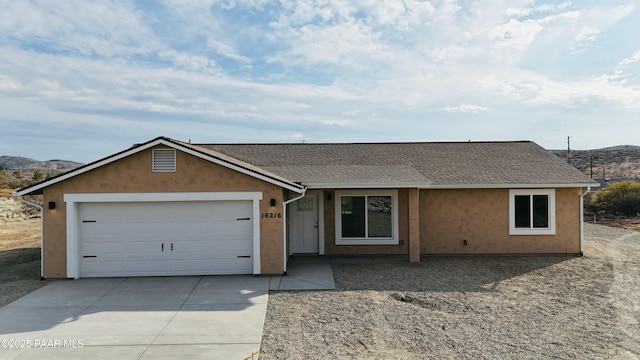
(84, 28)
(465, 108)
(515, 34)
(304, 68)
(226, 50)
(631, 60)
(10, 85)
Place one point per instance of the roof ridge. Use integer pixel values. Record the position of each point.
(373, 143)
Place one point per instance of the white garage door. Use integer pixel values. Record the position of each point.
(165, 238)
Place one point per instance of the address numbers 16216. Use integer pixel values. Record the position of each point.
(272, 215)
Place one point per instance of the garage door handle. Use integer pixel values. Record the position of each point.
(162, 247)
(244, 256)
(244, 218)
(89, 256)
(171, 246)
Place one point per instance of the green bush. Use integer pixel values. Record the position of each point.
(618, 199)
(37, 176)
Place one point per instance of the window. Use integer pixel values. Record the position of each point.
(532, 212)
(164, 160)
(366, 217)
(305, 204)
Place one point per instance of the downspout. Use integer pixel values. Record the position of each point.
(41, 230)
(582, 219)
(284, 228)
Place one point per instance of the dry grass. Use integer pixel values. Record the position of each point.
(6, 192)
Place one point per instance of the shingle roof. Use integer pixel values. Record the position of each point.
(406, 164)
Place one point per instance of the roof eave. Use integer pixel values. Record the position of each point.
(36, 189)
(514, 186)
(422, 185)
(367, 185)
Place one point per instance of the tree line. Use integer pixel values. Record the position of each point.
(16, 179)
(619, 199)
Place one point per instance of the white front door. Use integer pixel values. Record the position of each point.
(304, 225)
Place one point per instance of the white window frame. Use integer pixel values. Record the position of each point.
(550, 230)
(393, 240)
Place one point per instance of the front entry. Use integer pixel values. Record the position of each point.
(304, 225)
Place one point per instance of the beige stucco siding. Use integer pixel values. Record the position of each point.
(133, 175)
(481, 216)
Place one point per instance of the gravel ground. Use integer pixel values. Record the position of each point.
(509, 307)
(19, 279)
(19, 258)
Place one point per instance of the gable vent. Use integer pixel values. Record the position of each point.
(164, 160)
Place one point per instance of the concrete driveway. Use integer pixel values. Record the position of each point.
(199, 317)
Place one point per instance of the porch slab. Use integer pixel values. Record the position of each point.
(305, 273)
(368, 259)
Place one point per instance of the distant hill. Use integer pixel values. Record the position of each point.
(27, 167)
(616, 162)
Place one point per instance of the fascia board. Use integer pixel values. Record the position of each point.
(95, 165)
(146, 146)
(511, 186)
(364, 185)
(429, 186)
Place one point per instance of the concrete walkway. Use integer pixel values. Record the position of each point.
(200, 317)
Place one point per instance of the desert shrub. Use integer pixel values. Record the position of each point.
(8, 182)
(37, 176)
(618, 199)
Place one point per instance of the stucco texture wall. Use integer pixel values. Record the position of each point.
(481, 216)
(133, 174)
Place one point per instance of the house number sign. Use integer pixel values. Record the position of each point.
(272, 215)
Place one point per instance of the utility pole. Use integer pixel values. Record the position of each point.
(569, 149)
(591, 164)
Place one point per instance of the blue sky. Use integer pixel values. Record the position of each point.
(80, 80)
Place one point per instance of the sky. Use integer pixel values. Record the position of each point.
(81, 80)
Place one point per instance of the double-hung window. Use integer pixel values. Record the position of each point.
(366, 217)
(532, 212)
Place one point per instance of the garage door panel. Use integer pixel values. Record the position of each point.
(229, 231)
(117, 247)
(144, 266)
(166, 238)
(203, 247)
(191, 267)
(233, 267)
(235, 245)
(210, 250)
(93, 268)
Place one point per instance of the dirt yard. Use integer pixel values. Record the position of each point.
(520, 307)
(628, 224)
(19, 250)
